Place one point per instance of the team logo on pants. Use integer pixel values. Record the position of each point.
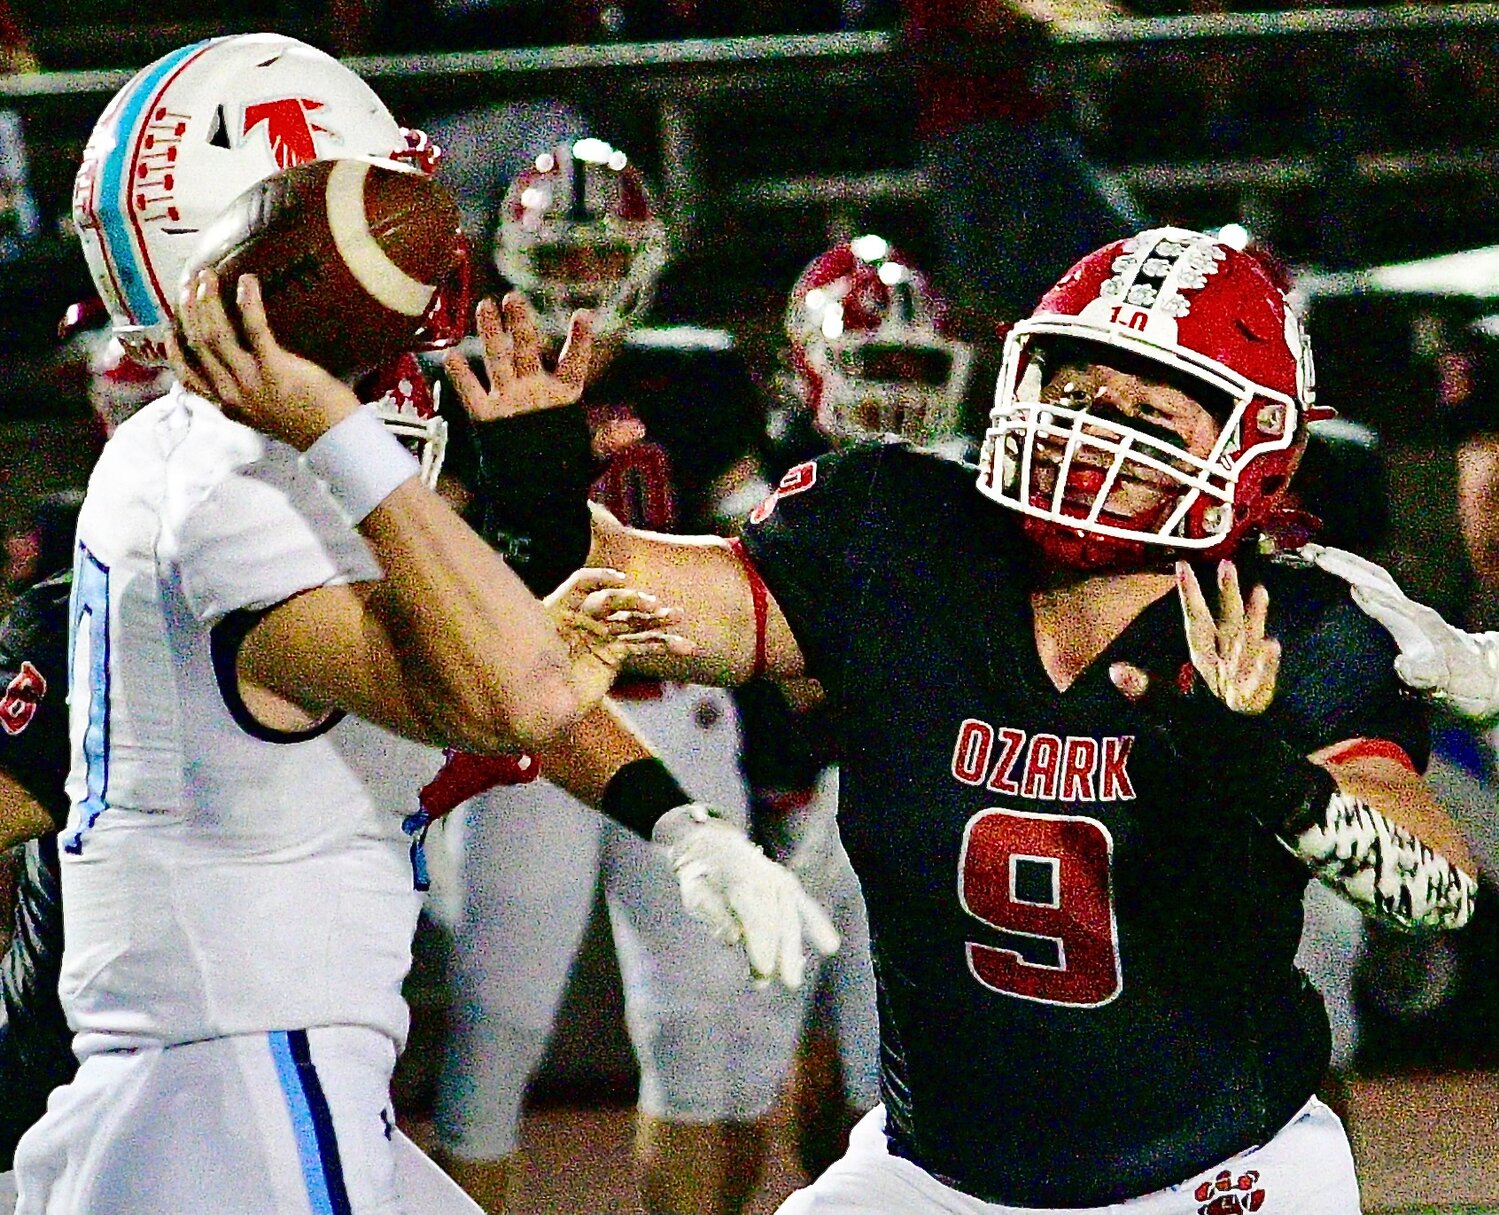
(1230, 1195)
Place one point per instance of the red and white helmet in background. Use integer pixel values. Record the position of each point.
(400, 395)
(870, 348)
(579, 229)
(191, 132)
(118, 385)
(1211, 315)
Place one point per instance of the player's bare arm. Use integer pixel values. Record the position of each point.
(727, 615)
(449, 646)
(1374, 832)
(733, 626)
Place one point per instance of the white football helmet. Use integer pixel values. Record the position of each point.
(578, 229)
(870, 347)
(185, 137)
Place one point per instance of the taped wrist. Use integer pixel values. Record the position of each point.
(1382, 868)
(639, 793)
(535, 471)
(361, 463)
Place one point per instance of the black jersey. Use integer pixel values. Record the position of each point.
(35, 1043)
(1084, 955)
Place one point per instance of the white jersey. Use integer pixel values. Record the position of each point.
(220, 879)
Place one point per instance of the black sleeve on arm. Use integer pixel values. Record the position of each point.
(803, 542)
(1338, 682)
(532, 492)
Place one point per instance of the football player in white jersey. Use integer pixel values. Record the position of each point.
(238, 911)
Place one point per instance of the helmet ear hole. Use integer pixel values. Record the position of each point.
(218, 130)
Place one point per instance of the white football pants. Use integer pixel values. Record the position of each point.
(1306, 1169)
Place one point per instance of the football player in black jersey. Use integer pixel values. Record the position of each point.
(1083, 831)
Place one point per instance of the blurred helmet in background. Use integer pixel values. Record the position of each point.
(579, 229)
(870, 348)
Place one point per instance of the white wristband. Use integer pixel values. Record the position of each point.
(361, 463)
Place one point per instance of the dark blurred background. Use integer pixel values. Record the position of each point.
(1353, 144)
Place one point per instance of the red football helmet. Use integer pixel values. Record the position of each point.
(406, 403)
(1207, 313)
(578, 229)
(870, 347)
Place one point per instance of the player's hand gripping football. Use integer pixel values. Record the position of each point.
(1436, 658)
(1238, 663)
(518, 382)
(252, 377)
(742, 896)
(602, 619)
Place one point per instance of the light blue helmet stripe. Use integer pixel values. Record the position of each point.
(113, 202)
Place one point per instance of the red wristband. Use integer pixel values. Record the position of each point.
(760, 597)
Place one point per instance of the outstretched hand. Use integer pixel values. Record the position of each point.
(604, 623)
(743, 897)
(253, 378)
(1237, 662)
(518, 381)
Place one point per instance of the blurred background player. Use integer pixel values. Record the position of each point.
(671, 414)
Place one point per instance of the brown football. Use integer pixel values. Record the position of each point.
(350, 257)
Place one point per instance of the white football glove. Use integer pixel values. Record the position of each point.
(743, 896)
(1435, 657)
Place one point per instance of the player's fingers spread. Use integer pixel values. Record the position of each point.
(252, 318)
(222, 338)
(577, 354)
(761, 939)
(466, 384)
(520, 323)
(1256, 615)
(198, 321)
(581, 583)
(658, 641)
(604, 604)
(498, 344)
(1202, 629)
(1259, 685)
(1230, 605)
(1352, 568)
(793, 958)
